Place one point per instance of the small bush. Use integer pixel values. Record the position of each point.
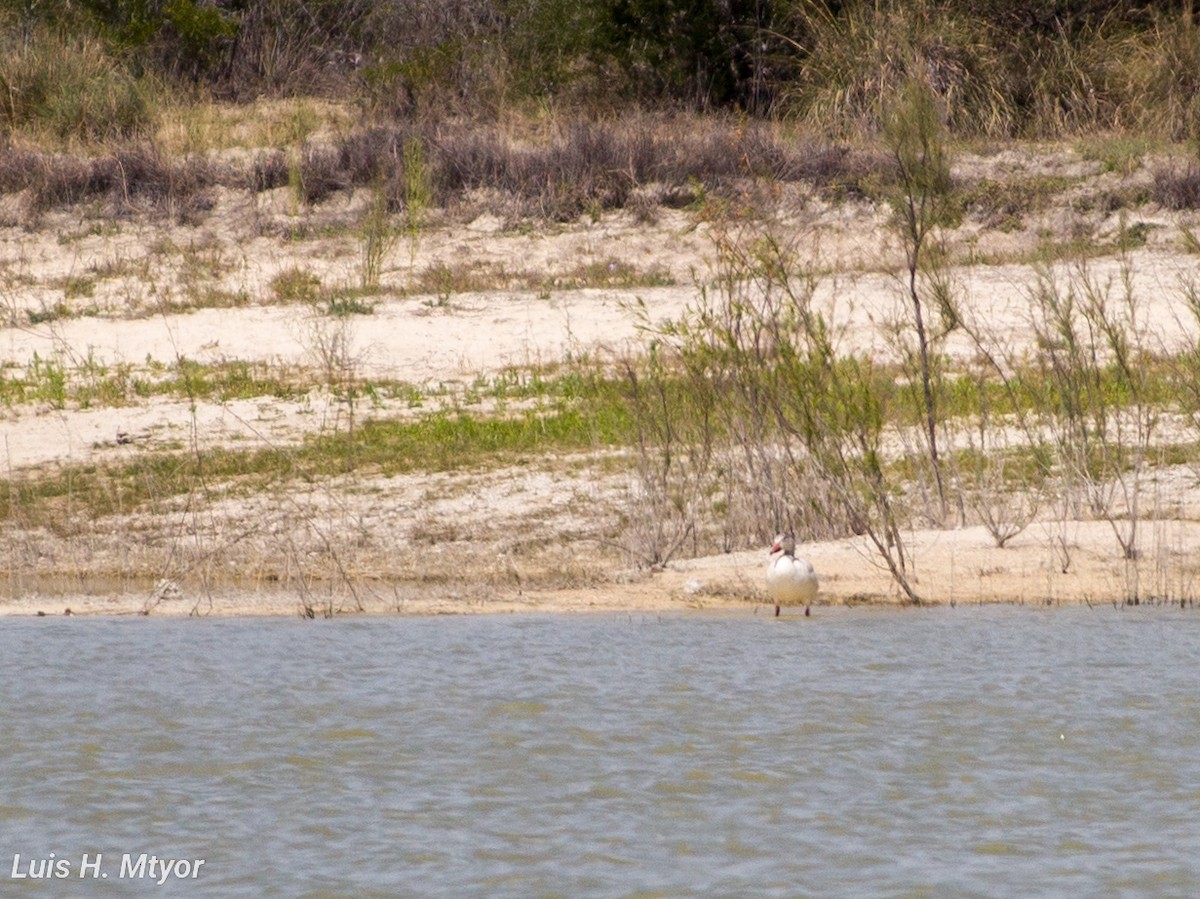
(471, 158)
(141, 175)
(371, 154)
(1003, 204)
(15, 169)
(56, 181)
(295, 285)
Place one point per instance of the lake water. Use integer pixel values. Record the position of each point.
(965, 752)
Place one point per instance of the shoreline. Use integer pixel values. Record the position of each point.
(954, 567)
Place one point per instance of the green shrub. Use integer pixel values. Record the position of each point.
(345, 304)
(295, 285)
(201, 35)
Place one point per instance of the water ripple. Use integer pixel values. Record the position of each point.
(989, 752)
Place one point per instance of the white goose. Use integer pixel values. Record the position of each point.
(790, 581)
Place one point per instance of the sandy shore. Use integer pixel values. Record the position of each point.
(953, 567)
(533, 537)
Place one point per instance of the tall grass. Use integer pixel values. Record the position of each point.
(858, 59)
(377, 236)
(71, 90)
(1161, 65)
(418, 193)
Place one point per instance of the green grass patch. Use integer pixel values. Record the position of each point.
(92, 384)
(611, 273)
(443, 441)
(47, 314)
(76, 286)
(456, 440)
(204, 297)
(67, 500)
(537, 414)
(226, 381)
(1120, 153)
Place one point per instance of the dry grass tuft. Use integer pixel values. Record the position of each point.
(1178, 189)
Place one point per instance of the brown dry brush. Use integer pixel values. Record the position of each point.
(1094, 350)
(674, 445)
(135, 178)
(583, 165)
(1177, 187)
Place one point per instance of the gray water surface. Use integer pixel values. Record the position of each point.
(967, 752)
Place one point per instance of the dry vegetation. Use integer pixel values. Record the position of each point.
(400, 343)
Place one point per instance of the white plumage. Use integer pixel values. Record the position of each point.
(790, 581)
